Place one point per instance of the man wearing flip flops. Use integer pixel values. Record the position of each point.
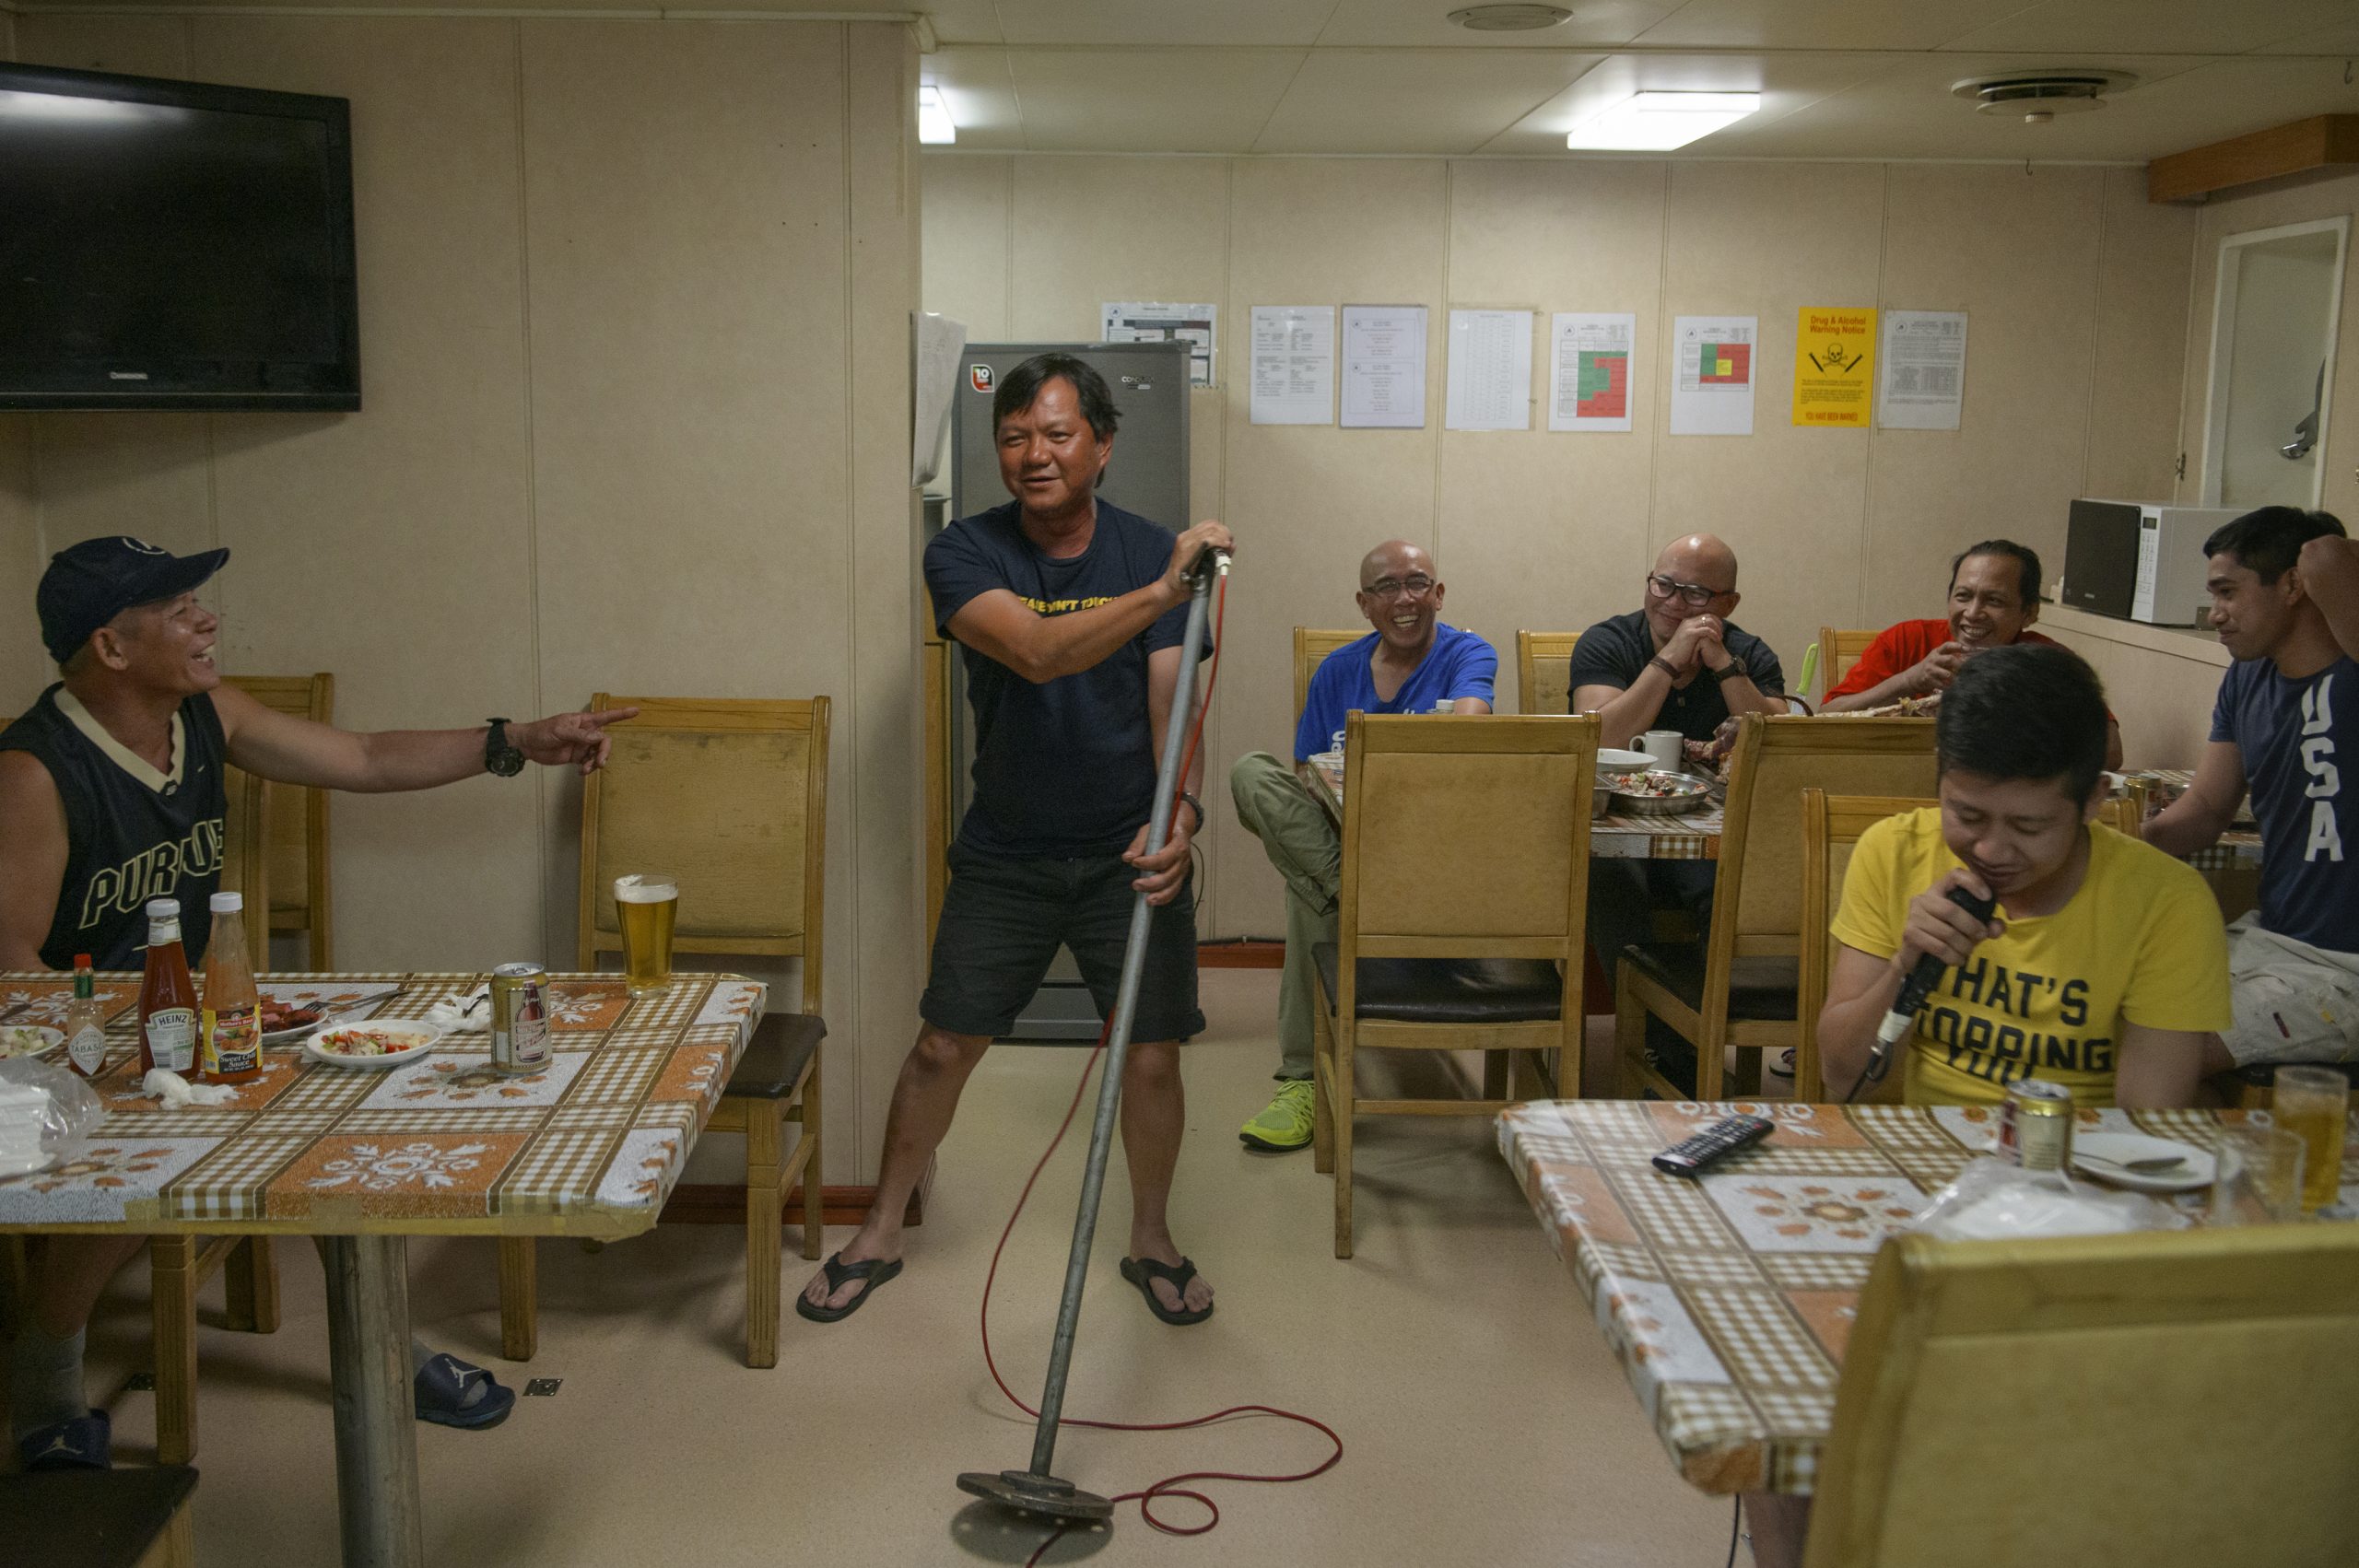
(1072, 612)
(111, 793)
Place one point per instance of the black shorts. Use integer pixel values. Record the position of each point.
(1002, 920)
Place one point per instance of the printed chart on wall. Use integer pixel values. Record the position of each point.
(1152, 321)
(1833, 366)
(1384, 367)
(1711, 391)
(1589, 370)
(1294, 365)
(1922, 377)
(1488, 384)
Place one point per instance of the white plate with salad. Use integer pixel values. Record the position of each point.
(372, 1047)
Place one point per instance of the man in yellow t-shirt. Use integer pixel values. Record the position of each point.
(2107, 965)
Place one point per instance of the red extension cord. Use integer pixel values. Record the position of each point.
(1170, 1486)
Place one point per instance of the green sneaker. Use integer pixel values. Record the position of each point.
(1285, 1123)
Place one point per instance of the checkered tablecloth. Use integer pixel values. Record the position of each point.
(591, 1145)
(1728, 1299)
(1694, 836)
(2238, 848)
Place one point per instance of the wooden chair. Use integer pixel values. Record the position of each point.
(2175, 1398)
(1460, 841)
(1311, 646)
(1838, 651)
(1831, 829)
(180, 1265)
(731, 797)
(1543, 664)
(1741, 990)
(299, 839)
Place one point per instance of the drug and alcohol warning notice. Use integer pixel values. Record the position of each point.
(1834, 367)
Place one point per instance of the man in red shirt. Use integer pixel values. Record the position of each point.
(1994, 599)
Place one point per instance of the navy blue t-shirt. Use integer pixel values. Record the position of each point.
(1065, 768)
(2296, 737)
(1460, 663)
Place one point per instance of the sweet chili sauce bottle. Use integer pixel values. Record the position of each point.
(232, 1015)
(167, 995)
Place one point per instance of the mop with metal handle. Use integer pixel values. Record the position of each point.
(1034, 1490)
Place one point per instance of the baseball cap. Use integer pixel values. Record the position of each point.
(88, 584)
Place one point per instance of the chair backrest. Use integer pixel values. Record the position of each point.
(1838, 651)
(1466, 840)
(1543, 667)
(2182, 1397)
(246, 855)
(299, 877)
(729, 796)
(1311, 644)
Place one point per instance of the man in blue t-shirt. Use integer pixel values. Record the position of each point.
(1410, 664)
(1072, 612)
(2284, 587)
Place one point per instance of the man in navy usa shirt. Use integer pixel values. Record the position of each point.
(2284, 587)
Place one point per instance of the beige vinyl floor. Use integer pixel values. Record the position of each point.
(1484, 1420)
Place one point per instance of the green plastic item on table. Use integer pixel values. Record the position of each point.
(1810, 667)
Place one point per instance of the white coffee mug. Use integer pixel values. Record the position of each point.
(1668, 747)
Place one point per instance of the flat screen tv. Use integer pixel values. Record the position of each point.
(174, 245)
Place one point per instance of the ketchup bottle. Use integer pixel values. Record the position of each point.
(167, 995)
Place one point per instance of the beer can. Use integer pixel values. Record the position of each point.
(2035, 1125)
(519, 1018)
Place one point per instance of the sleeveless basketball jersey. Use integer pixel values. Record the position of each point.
(131, 834)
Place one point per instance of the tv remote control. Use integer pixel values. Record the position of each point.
(1690, 1155)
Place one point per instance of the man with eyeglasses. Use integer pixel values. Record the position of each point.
(1676, 663)
(1410, 664)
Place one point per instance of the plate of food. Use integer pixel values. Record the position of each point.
(372, 1047)
(284, 1022)
(2148, 1164)
(1658, 792)
(28, 1039)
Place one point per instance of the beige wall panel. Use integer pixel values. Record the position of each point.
(2019, 254)
(2144, 274)
(2159, 683)
(1156, 229)
(1766, 239)
(148, 475)
(967, 235)
(137, 46)
(24, 666)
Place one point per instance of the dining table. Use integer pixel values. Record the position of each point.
(1728, 1298)
(588, 1144)
(1689, 836)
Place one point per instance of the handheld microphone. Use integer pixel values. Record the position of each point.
(1211, 561)
(1924, 977)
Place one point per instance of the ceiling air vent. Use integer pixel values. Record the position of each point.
(1509, 18)
(2037, 96)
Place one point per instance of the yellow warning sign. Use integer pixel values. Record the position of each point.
(1834, 367)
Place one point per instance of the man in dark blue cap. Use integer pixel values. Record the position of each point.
(111, 794)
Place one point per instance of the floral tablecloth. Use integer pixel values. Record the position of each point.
(590, 1145)
(1728, 1299)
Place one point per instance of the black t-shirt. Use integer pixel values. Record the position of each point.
(128, 839)
(1065, 768)
(1613, 653)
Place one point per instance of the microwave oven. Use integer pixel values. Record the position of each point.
(2139, 560)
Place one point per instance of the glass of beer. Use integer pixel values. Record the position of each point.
(645, 906)
(2314, 1104)
(2257, 1178)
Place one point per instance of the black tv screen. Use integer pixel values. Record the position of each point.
(174, 245)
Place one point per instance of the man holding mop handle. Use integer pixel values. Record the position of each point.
(1072, 613)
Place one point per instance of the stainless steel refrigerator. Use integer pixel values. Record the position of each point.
(1148, 474)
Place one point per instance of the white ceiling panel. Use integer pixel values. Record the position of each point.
(1149, 100)
(2342, 41)
(1787, 84)
(1406, 100)
(1204, 22)
(1824, 24)
(980, 95)
(1425, 24)
(957, 22)
(2198, 27)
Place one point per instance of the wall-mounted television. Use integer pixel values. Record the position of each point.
(174, 245)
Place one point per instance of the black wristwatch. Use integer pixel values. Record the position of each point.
(1199, 806)
(1720, 676)
(500, 757)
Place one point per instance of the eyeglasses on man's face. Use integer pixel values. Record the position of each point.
(1415, 586)
(1692, 593)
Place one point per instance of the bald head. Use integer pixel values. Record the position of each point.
(1401, 594)
(1699, 558)
(1395, 558)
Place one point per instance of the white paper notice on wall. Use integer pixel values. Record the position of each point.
(1156, 320)
(1589, 370)
(1711, 386)
(1488, 380)
(1921, 381)
(936, 340)
(1294, 365)
(1384, 367)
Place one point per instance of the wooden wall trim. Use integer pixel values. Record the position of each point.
(2319, 141)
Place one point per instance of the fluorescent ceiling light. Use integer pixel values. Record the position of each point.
(933, 116)
(1658, 121)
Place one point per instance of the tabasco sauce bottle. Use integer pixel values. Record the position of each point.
(86, 1037)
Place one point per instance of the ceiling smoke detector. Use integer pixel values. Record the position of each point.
(2037, 96)
(1509, 18)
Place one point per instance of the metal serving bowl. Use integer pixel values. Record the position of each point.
(1693, 795)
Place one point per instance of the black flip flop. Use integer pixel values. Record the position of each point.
(1144, 1271)
(875, 1270)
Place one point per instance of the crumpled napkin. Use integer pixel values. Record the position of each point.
(175, 1091)
(462, 1014)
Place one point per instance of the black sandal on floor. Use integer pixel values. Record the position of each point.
(1144, 1271)
(875, 1270)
